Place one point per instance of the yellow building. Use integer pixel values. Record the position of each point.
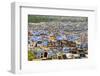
(52, 38)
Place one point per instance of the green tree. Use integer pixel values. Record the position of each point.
(31, 55)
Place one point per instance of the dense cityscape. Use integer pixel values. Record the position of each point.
(57, 37)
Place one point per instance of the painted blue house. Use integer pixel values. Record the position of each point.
(66, 49)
